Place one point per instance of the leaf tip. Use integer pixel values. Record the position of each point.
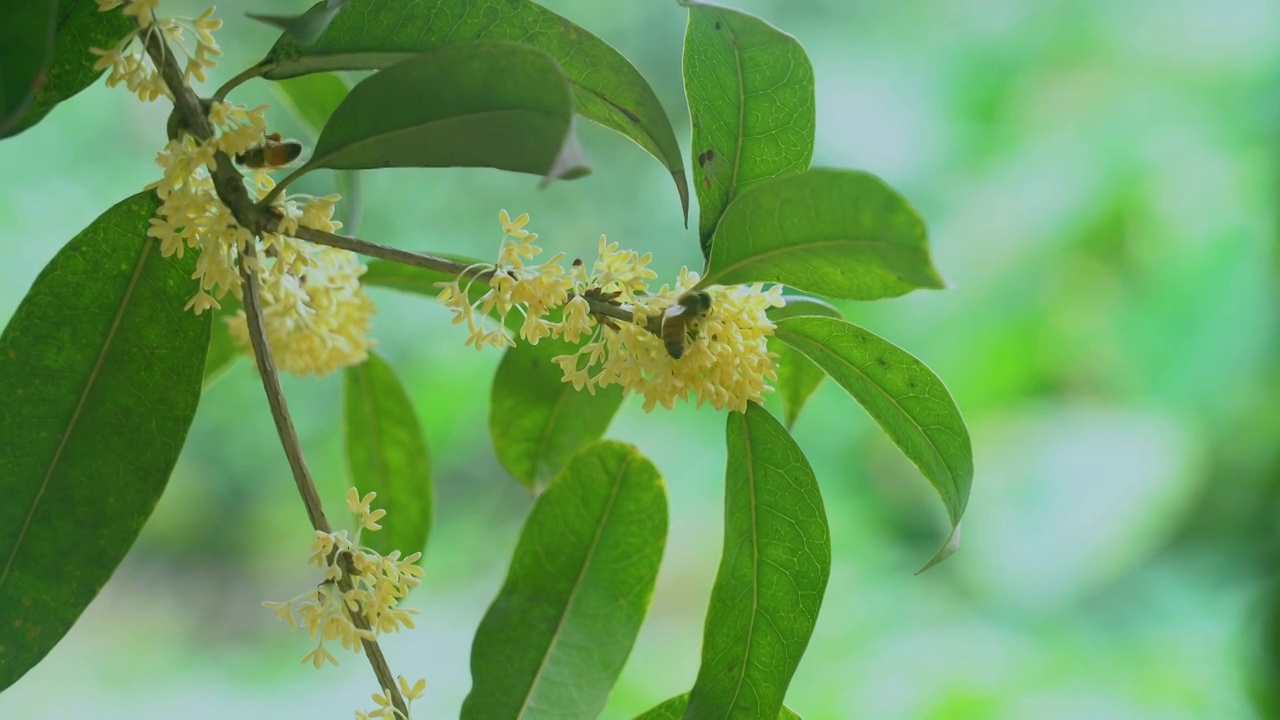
(950, 546)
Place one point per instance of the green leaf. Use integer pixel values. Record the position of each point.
(492, 104)
(313, 98)
(836, 233)
(100, 373)
(798, 377)
(607, 87)
(555, 639)
(223, 350)
(26, 46)
(674, 708)
(751, 100)
(777, 557)
(901, 394)
(307, 27)
(538, 421)
(387, 454)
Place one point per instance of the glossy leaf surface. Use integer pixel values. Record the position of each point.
(387, 454)
(751, 99)
(373, 34)
(536, 420)
(555, 639)
(307, 27)
(835, 233)
(772, 576)
(499, 105)
(902, 395)
(674, 708)
(100, 371)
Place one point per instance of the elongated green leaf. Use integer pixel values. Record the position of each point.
(751, 99)
(538, 421)
(313, 98)
(903, 396)
(26, 46)
(556, 637)
(306, 28)
(408, 278)
(373, 34)
(777, 557)
(798, 377)
(80, 27)
(674, 708)
(836, 233)
(387, 454)
(100, 375)
(223, 350)
(492, 104)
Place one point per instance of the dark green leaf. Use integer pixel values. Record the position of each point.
(387, 454)
(674, 708)
(777, 557)
(537, 421)
(837, 233)
(751, 99)
(100, 373)
(223, 350)
(798, 377)
(903, 396)
(556, 637)
(608, 89)
(307, 27)
(313, 98)
(493, 104)
(26, 46)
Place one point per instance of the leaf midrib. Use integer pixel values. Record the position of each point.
(80, 403)
(784, 334)
(755, 563)
(577, 584)
(544, 438)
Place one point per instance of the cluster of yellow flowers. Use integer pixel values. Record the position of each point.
(128, 60)
(727, 364)
(315, 311)
(378, 585)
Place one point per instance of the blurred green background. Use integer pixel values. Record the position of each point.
(1099, 180)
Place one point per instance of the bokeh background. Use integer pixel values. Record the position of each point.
(1099, 179)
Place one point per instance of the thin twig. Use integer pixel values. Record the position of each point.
(229, 184)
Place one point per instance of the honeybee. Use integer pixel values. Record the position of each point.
(680, 321)
(273, 153)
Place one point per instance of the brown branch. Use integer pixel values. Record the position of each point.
(229, 184)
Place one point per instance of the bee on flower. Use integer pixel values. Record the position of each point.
(709, 345)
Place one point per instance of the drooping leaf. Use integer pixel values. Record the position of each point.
(608, 89)
(903, 396)
(26, 45)
(306, 28)
(798, 377)
(387, 454)
(536, 420)
(751, 99)
(836, 233)
(492, 104)
(673, 709)
(408, 278)
(555, 639)
(773, 573)
(100, 372)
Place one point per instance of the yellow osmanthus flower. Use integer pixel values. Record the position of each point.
(378, 584)
(727, 364)
(128, 60)
(315, 311)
